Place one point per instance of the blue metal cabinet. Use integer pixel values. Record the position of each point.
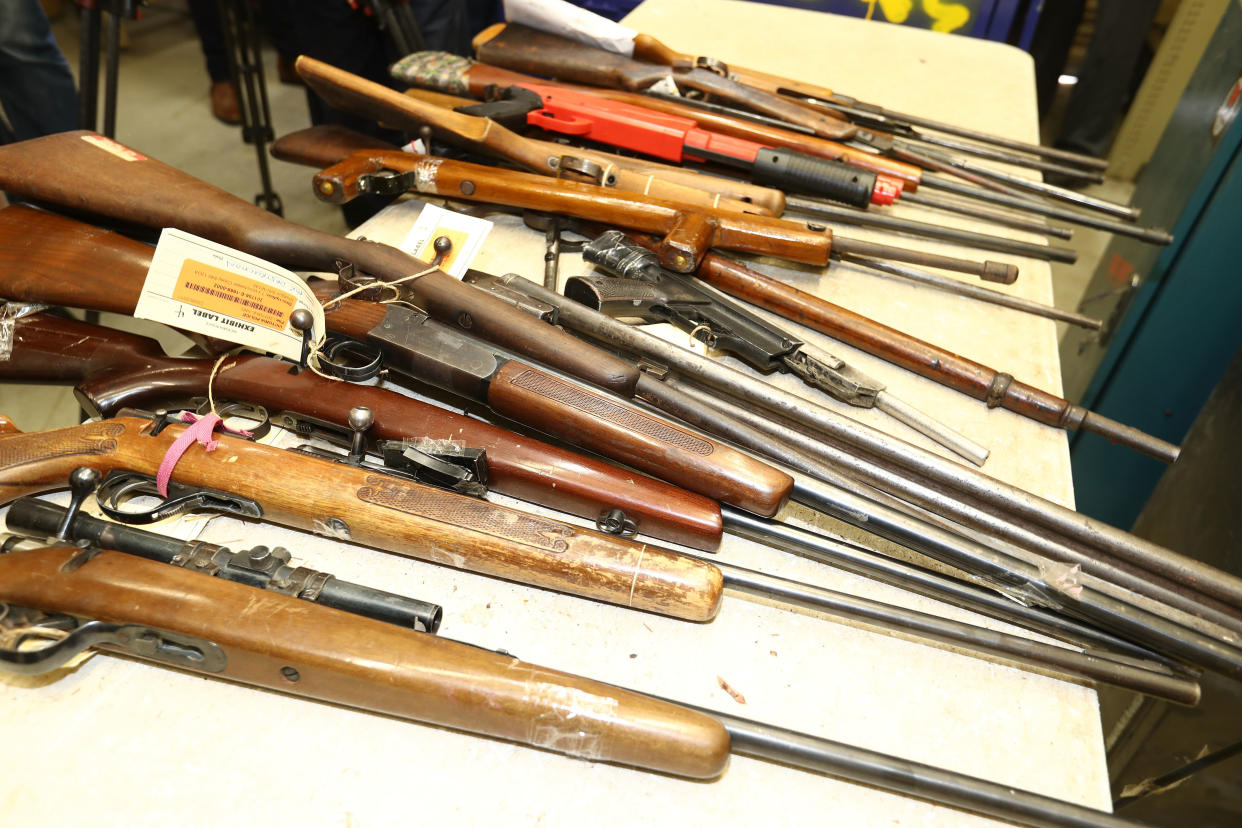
(1159, 363)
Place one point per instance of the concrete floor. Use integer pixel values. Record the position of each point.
(163, 111)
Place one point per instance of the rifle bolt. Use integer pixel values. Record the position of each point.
(467, 187)
(290, 674)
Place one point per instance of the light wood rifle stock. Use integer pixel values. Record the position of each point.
(128, 186)
(113, 370)
(379, 510)
(320, 653)
(352, 93)
(33, 268)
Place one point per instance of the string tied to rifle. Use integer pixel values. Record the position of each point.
(200, 431)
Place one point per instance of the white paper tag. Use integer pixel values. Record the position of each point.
(467, 234)
(568, 20)
(201, 286)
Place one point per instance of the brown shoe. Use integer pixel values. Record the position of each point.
(286, 72)
(224, 104)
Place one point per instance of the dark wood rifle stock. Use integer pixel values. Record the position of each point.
(35, 267)
(378, 510)
(352, 93)
(128, 186)
(113, 370)
(533, 52)
(325, 654)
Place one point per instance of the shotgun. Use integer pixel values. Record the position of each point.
(39, 250)
(372, 507)
(131, 606)
(113, 370)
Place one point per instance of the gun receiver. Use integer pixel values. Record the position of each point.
(113, 370)
(171, 615)
(378, 510)
(124, 184)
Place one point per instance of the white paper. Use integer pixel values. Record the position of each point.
(467, 234)
(208, 288)
(568, 20)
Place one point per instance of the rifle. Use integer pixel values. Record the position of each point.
(264, 567)
(45, 248)
(636, 287)
(113, 370)
(323, 146)
(130, 187)
(178, 618)
(370, 506)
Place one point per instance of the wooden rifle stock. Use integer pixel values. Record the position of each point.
(351, 93)
(129, 186)
(36, 272)
(275, 641)
(379, 510)
(113, 370)
(533, 52)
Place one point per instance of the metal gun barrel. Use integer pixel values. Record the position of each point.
(982, 241)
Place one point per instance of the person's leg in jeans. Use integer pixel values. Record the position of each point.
(36, 86)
